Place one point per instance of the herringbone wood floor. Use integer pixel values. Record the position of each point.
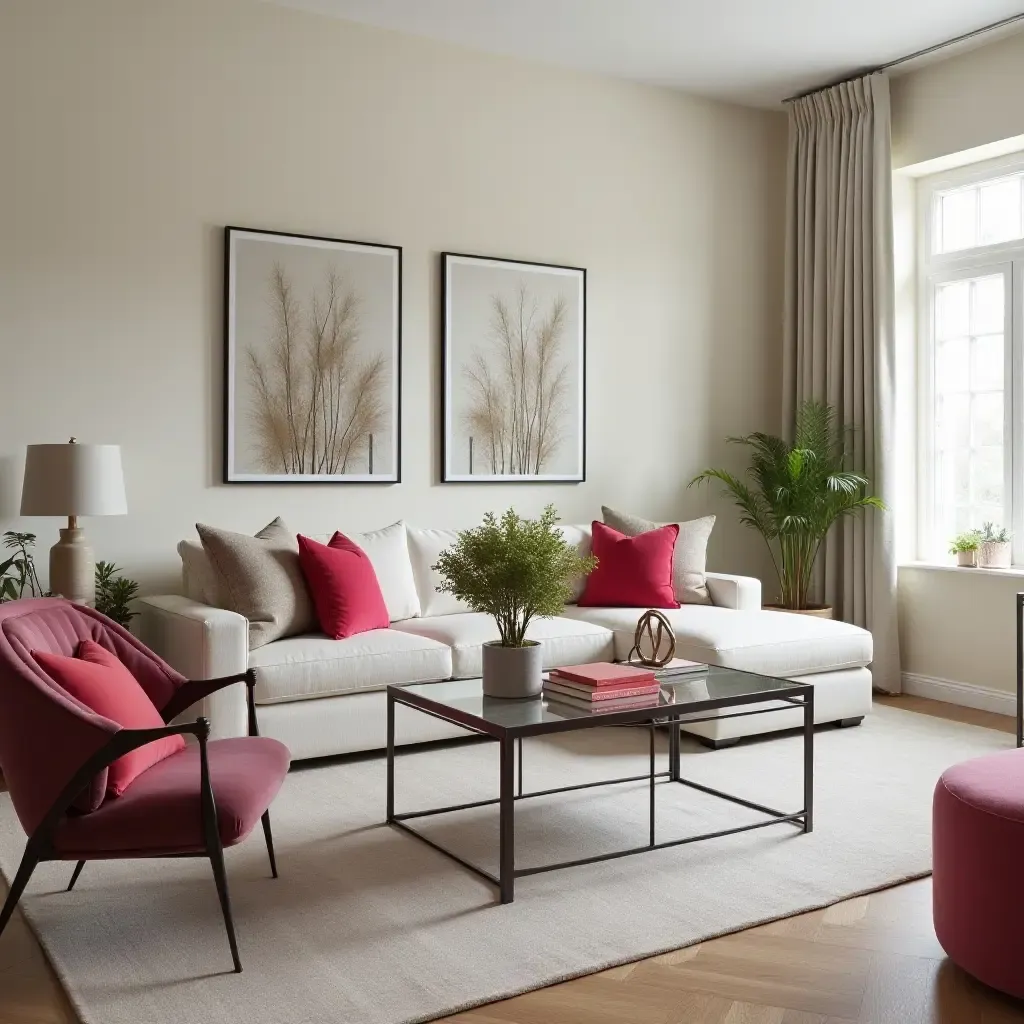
(871, 960)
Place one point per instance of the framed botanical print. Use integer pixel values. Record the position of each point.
(313, 345)
(514, 374)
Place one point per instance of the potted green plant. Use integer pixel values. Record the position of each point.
(795, 494)
(994, 552)
(18, 573)
(114, 594)
(965, 547)
(516, 570)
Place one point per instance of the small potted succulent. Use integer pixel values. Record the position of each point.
(516, 570)
(965, 547)
(994, 550)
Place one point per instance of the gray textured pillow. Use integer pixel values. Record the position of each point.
(690, 558)
(260, 577)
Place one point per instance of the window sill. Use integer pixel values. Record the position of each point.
(1015, 571)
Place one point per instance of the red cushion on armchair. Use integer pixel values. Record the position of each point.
(101, 682)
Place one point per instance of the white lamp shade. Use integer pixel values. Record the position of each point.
(73, 480)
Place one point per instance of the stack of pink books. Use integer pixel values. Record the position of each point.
(602, 686)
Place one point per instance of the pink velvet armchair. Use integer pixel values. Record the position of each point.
(54, 753)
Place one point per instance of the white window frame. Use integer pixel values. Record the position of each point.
(934, 269)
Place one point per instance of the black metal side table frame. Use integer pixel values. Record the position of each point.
(511, 780)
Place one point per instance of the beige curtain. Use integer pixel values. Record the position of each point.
(839, 330)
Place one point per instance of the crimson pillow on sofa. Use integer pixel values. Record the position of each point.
(344, 586)
(101, 682)
(632, 572)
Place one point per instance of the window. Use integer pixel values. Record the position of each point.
(971, 373)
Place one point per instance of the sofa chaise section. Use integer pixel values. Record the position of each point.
(832, 656)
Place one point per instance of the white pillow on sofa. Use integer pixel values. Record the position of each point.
(581, 538)
(388, 551)
(424, 548)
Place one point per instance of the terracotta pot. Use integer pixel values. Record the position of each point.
(994, 554)
(967, 559)
(819, 611)
(513, 672)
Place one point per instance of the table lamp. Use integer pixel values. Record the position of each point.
(73, 480)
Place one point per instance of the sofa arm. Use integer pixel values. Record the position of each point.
(743, 593)
(201, 642)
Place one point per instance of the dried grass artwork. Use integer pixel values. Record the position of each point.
(313, 353)
(514, 370)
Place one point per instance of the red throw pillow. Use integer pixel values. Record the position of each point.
(632, 572)
(344, 586)
(101, 682)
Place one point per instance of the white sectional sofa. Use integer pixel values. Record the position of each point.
(323, 697)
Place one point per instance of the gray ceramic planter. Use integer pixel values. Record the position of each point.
(513, 672)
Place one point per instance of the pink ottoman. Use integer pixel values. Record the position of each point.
(978, 855)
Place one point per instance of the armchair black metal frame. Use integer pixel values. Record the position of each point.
(40, 844)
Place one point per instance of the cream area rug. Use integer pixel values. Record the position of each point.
(367, 925)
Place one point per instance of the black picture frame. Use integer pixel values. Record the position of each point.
(231, 473)
(449, 472)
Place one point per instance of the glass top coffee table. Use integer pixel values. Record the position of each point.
(716, 693)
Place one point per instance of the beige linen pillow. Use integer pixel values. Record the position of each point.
(260, 577)
(690, 558)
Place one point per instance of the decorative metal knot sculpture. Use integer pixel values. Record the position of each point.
(654, 632)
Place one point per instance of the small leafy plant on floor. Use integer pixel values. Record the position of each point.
(795, 493)
(970, 540)
(114, 594)
(18, 577)
(514, 569)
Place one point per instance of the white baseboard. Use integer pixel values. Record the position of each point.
(966, 695)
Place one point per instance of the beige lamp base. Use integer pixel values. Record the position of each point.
(72, 568)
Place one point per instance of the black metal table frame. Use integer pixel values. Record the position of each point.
(801, 695)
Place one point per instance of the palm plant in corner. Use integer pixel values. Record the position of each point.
(517, 570)
(796, 492)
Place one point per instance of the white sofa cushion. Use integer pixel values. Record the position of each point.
(388, 551)
(424, 548)
(581, 537)
(566, 641)
(770, 643)
(197, 579)
(316, 666)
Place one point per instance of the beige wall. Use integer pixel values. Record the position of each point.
(968, 100)
(132, 132)
(958, 626)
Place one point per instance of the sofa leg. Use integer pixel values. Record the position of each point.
(711, 744)
(849, 723)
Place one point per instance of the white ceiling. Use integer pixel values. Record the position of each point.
(749, 51)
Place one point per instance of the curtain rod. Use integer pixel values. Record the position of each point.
(1013, 19)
